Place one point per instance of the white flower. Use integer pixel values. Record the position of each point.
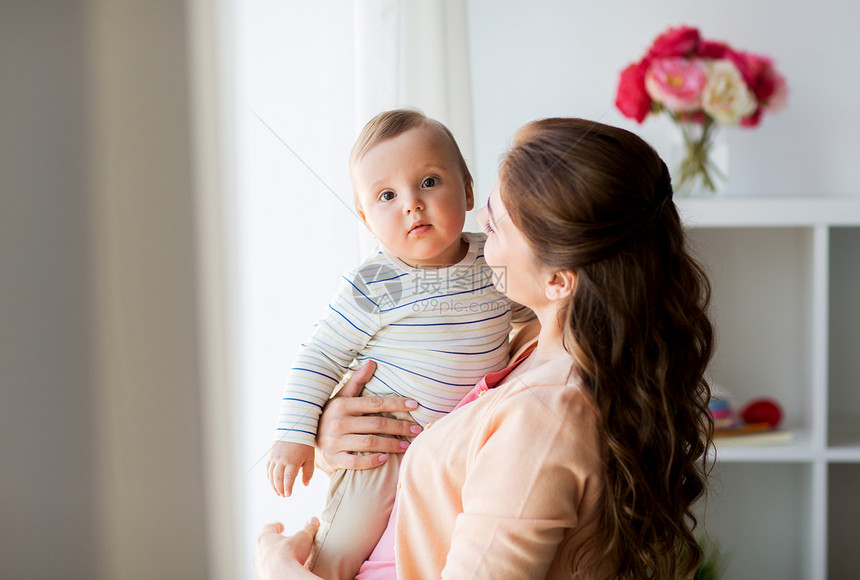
(726, 96)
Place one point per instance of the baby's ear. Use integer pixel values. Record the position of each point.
(364, 219)
(361, 214)
(470, 197)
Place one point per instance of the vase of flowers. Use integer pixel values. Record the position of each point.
(702, 85)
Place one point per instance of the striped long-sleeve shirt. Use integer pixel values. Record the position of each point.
(433, 334)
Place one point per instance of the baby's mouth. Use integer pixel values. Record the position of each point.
(419, 227)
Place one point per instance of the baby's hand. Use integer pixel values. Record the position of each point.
(283, 466)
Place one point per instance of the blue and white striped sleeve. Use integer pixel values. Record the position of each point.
(322, 361)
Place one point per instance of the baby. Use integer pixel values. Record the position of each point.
(425, 307)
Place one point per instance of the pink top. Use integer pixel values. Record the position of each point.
(508, 486)
(380, 565)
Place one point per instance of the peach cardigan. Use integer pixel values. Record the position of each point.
(507, 486)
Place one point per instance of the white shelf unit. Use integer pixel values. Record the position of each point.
(786, 304)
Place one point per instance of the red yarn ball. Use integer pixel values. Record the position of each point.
(762, 410)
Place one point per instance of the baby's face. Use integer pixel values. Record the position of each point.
(413, 197)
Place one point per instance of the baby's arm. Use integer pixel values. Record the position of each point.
(284, 463)
(318, 367)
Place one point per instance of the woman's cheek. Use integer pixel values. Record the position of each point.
(490, 250)
(492, 256)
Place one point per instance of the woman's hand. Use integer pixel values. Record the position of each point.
(281, 557)
(346, 427)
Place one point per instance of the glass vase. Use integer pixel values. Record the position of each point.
(702, 166)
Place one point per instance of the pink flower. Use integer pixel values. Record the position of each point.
(752, 120)
(775, 102)
(697, 80)
(711, 49)
(679, 41)
(779, 98)
(752, 68)
(632, 99)
(760, 75)
(675, 83)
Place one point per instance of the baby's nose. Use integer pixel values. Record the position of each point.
(414, 202)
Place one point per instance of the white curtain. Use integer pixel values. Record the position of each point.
(414, 53)
(311, 74)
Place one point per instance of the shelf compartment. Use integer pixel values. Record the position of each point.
(752, 211)
(761, 308)
(844, 438)
(800, 449)
(844, 337)
(758, 515)
(843, 521)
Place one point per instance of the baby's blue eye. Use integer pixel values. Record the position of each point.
(387, 195)
(429, 182)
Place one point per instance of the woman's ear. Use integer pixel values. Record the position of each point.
(560, 285)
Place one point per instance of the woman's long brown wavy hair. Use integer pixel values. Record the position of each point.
(597, 201)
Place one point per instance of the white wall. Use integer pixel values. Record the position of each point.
(563, 57)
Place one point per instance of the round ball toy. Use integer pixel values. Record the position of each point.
(762, 410)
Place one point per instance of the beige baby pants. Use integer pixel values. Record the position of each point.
(358, 505)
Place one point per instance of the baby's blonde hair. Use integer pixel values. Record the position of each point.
(390, 124)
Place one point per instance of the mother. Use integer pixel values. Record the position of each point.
(585, 457)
